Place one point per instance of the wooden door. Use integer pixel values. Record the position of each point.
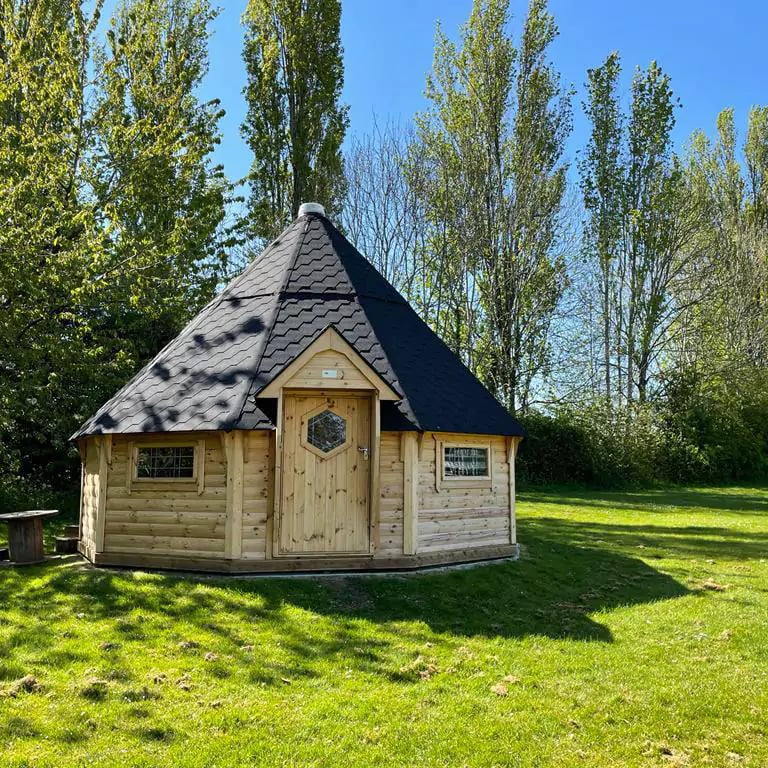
(326, 474)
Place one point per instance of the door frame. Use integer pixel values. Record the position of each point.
(373, 476)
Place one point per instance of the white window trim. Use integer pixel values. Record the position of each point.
(463, 481)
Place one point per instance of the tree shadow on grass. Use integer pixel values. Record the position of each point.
(273, 632)
(750, 500)
(552, 591)
(698, 541)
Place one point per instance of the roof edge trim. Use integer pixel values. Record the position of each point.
(386, 391)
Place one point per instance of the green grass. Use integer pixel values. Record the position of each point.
(608, 644)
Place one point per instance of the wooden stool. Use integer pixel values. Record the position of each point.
(66, 545)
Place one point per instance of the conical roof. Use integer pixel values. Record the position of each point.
(310, 278)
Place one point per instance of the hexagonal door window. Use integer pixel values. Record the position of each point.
(326, 431)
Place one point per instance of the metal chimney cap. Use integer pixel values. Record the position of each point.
(306, 208)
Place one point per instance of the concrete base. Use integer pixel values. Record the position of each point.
(306, 565)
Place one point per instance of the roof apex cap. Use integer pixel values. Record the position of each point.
(306, 208)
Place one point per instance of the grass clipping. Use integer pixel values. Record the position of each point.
(26, 684)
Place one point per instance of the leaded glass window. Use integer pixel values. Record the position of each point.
(326, 431)
(463, 461)
(166, 462)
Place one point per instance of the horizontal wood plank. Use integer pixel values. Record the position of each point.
(166, 544)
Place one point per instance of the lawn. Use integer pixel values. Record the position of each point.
(632, 632)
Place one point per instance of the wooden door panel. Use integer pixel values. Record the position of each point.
(326, 483)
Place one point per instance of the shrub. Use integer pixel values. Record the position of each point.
(18, 493)
(711, 437)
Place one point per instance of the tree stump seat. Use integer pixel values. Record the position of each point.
(67, 545)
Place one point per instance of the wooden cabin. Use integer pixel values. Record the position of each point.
(306, 419)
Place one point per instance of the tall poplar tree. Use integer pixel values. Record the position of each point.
(640, 227)
(295, 123)
(493, 141)
(602, 187)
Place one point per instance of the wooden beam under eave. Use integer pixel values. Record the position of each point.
(81, 509)
(409, 449)
(512, 444)
(277, 489)
(200, 459)
(270, 533)
(375, 486)
(104, 444)
(233, 536)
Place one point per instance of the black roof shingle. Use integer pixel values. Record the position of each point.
(210, 376)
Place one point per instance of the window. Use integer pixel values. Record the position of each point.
(166, 463)
(464, 461)
(326, 431)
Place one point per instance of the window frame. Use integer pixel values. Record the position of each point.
(308, 438)
(463, 481)
(192, 480)
(329, 405)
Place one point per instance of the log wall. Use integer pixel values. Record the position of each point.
(89, 498)
(451, 516)
(390, 530)
(188, 519)
(161, 517)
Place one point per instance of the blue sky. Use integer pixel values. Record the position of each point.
(714, 51)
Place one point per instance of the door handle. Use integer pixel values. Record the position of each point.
(364, 451)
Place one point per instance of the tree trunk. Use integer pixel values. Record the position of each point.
(607, 332)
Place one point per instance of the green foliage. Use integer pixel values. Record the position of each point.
(729, 335)
(639, 230)
(112, 211)
(294, 125)
(49, 241)
(698, 434)
(161, 200)
(593, 446)
(728, 424)
(601, 186)
(17, 493)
